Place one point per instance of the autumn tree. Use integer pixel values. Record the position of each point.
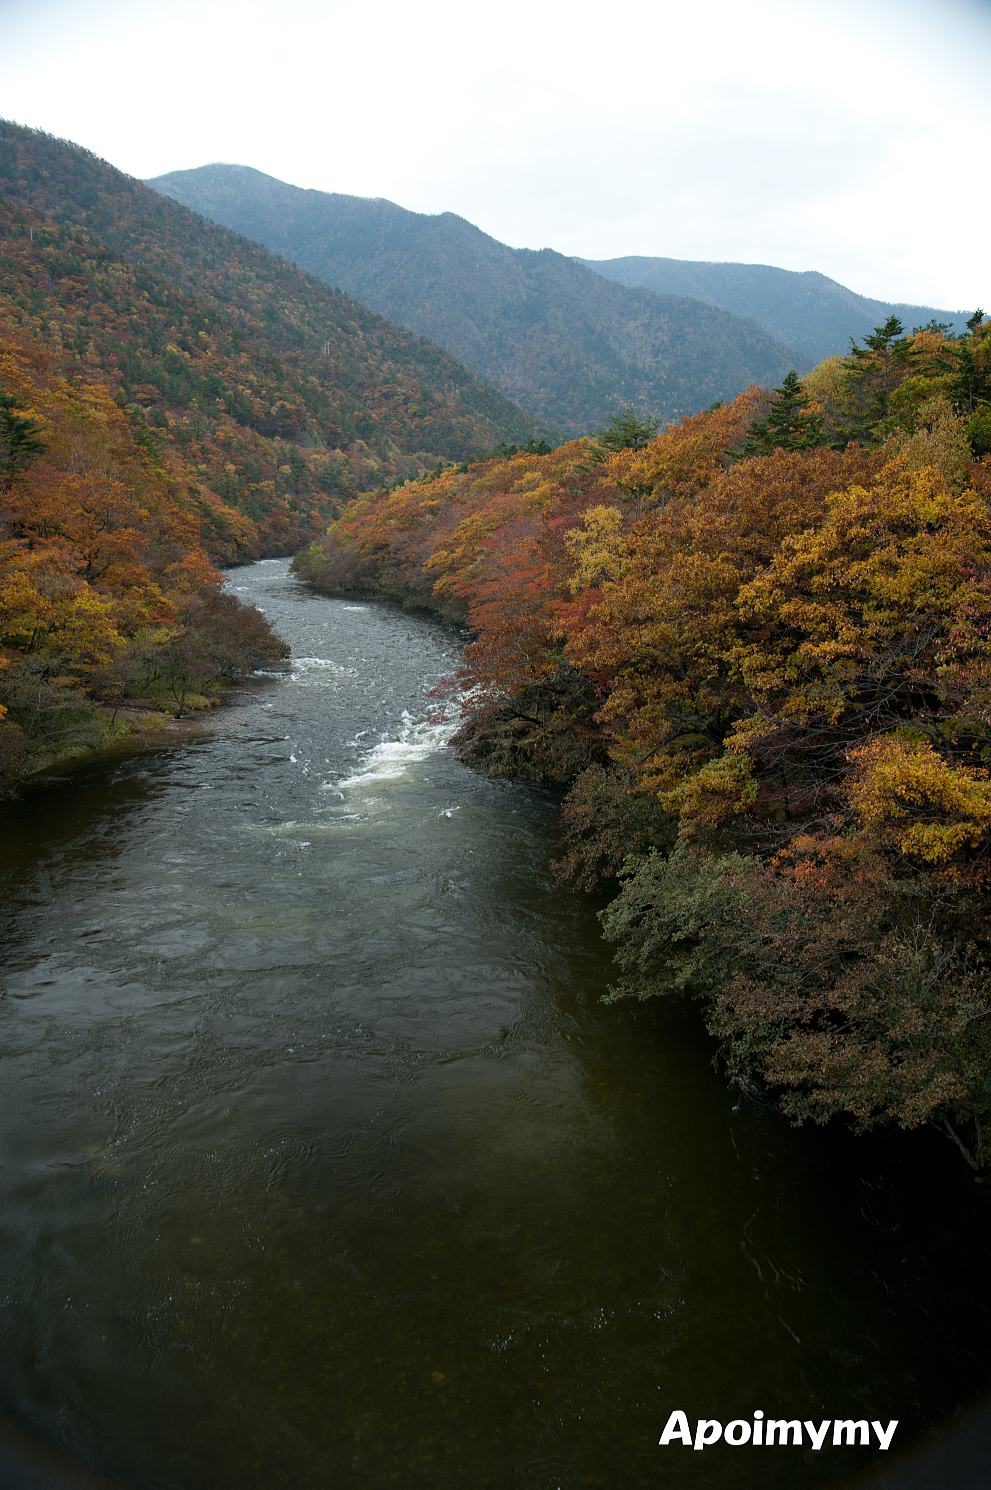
(762, 680)
(101, 574)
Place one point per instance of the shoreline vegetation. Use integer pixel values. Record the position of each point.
(753, 654)
(138, 728)
(114, 624)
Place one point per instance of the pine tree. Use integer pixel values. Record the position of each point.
(20, 441)
(787, 425)
(871, 373)
(627, 431)
(973, 383)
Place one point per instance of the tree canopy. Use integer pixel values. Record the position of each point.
(754, 654)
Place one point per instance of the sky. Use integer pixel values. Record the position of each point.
(852, 138)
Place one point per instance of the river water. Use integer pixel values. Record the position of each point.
(321, 1165)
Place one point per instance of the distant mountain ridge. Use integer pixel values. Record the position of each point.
(809, 311)
(554, 336)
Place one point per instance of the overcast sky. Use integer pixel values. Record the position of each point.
(853, 138)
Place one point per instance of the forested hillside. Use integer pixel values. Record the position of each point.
(279, 394)
(559, 340)
(171, 397)
(808, 311)
(112, 618)
(755, 654)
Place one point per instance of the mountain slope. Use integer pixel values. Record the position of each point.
(808, 311)
(275, 394)
(555, 337)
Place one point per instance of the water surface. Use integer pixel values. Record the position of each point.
(322, 1165)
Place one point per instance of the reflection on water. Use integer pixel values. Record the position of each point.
(321, 1164)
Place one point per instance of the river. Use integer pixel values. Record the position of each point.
(321, 1164)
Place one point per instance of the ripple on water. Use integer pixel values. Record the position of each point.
(391, 758)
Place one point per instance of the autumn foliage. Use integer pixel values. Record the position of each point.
(111, 614)
(755, 655)
(173, 397)
(271, 396)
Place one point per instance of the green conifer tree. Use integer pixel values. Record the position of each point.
(871, 373)
(972, 383)
(787, 426)
(627, 431)
(20, 441)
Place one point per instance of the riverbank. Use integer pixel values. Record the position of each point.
(134, 729)
(107, 731)
(794, 831)
(143, 728)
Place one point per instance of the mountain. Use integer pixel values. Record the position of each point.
(268, 394)
(808, 311)
(555, 337)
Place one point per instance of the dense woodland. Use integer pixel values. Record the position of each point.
(171, 398)
(754, 654)
(563, 342)
(112, 617)
(806, 310)
(275, 395)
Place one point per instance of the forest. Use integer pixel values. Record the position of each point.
(542, 326)
(113, 619)
(752, 652)
(562, 341)
(753, 655)
(173, 398)
(274, 396)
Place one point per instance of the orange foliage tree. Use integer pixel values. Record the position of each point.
(101, 573)
(764, 683)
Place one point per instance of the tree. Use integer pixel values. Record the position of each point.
(883, 337)
(979, 431)
(627, 431)
(787, 426)
(100, 571)
(871, 373)
(20, 440)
